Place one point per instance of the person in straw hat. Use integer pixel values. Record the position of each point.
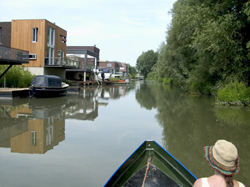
(223, 158)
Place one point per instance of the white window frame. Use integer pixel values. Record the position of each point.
(51, 45)
(33, 138)
(35, 35)
(109, 65)
(32, 56)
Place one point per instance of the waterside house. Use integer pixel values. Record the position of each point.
(118, 69)
(45, 42)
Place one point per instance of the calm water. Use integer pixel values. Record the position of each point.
(82, 138)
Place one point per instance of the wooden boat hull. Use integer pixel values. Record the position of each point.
(154, 162)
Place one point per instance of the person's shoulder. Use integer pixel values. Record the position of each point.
(241, 184)
(198, 183)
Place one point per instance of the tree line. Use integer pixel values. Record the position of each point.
(207, 46)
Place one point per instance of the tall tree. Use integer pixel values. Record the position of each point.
(132, 71)
(207, 43)
(146, 61)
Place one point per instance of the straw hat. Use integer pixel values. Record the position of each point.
(223, 157)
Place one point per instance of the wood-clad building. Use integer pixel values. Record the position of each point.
(46, 43)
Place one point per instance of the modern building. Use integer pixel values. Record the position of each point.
(117, 69)
(8, 55)
(124, 68)
(45, 43)
(88, 57)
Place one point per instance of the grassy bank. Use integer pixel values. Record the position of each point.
(234, 93)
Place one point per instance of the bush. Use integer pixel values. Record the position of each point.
(68, 82)
(234, 93)
(114, 79)
(199, 87)
(17, 76)
(167, 81)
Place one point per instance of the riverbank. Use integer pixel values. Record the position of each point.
(232, 94)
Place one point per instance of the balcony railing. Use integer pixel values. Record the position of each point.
(60, 62)
(12, 55)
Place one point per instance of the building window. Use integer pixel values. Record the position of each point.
(35, 35)
(51, 45)
(60, 57)
(63, 39)
(32, 56)
(33, 138)
(109, 65)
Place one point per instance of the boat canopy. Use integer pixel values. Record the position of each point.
(46, 81)
(105, 70)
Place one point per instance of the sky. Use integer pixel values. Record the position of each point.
(122, 30)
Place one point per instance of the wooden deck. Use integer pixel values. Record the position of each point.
(96, 82)
(85, 83)
(9, 93)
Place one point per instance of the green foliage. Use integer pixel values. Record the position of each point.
(17, 77)
(146, 61)
(114, 79)
(200, 87)
(69, 82)
(207, 42)
(167, 81)
(234, 93)
(132, 71)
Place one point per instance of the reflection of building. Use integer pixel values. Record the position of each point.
(83, 106)
(33, 131)
(38, 126)
(118, 91)
(10, 127)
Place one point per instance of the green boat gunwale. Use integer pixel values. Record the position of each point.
(161, 158)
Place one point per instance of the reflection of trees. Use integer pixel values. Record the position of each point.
(146, 96)
(189, 123)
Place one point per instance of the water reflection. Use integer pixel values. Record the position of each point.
(36, 125)
(189, 123)
(89, 136)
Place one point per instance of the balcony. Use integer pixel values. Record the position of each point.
(61, 62)
(13, 56)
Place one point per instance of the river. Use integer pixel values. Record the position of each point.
(82, 138)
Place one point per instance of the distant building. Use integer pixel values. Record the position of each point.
(88, 57)
(116, 68)
(124, 68)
